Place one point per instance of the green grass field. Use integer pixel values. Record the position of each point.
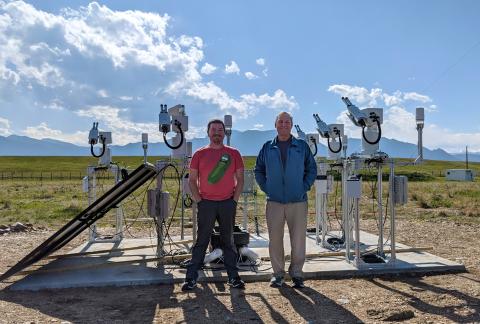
(52, 202)
(79, 164)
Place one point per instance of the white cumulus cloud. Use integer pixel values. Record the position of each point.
(4, 127)
(232, 68)
(93, 56)
(399, 123)
(416, 97)
(115, 120)
(391, 100)
(208, 68)
(42, 131)
(260, 61)
(278, 101)
(359, 94)
(250, 76)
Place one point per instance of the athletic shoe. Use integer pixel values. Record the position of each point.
(276, 282)
(189, 284)
(236, 283)
(298, 282)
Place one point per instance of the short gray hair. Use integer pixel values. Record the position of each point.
(286, 113)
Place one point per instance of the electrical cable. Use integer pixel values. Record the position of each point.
(314, 143)
(126, 226)
(379, 137)
(335, 206)
(103, 140)
(127, 202)
(174, 147)
(339, 146)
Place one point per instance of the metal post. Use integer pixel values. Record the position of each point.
(357, 231)
(92, 188)
(182, 209)
(245, 212)
(255, 211)
(119, 211)
(194, 222)
(420, 141)
(162, 214)
(317, 214)
(392, 210)
(345, 212)
(324, 215)
(380, 211)
(160, 205)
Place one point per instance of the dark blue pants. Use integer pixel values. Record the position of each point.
(208, 211)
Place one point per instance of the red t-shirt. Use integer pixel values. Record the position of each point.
(216, 169)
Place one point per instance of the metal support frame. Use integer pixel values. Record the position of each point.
(163, 205)
(92, 197)
(393, 255)
(345, 213)
(185, 164)
(380, 211)
(86, 218)
(321, 206)
(351, 215)
(246, 193)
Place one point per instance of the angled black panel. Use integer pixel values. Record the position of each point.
(86, 218)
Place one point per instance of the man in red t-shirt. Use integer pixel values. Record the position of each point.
(216, 181)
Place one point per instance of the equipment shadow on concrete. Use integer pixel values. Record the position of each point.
(134, 262)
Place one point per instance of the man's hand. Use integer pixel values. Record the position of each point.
(193, 182)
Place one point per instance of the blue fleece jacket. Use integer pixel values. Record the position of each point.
(290, 183)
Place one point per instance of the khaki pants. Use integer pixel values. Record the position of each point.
(295, 214)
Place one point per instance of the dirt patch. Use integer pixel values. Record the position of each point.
(428, 299)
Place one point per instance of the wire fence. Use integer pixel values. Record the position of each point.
(43, 175)
(78, 175)
(59, 175)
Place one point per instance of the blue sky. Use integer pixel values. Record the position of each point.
(65, 64)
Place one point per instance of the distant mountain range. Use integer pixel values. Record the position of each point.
(247, 142)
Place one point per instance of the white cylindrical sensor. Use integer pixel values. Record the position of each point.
(227, 120)
(420, 115)
(144, 138)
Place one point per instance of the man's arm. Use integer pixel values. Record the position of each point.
(260, 172)
(239, 185)
(310, 170)
(193, 183)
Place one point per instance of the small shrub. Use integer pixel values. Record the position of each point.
(424, 204)
(439, 201)
(442, 214)
(6, 204)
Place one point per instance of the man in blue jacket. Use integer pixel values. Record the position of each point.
(285, 170)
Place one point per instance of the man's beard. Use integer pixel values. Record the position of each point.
(217, 140)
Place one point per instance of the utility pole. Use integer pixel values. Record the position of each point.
(466, 155)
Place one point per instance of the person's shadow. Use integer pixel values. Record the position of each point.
(449, 312)
(204, 306)
(314, 307)
(155, 303)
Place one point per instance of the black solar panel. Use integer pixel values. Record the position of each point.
(86, 218)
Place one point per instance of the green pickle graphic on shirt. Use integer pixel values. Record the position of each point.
(219, 170)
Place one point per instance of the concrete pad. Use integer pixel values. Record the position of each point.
(135, 266)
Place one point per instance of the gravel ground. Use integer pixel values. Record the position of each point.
(452, 298)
